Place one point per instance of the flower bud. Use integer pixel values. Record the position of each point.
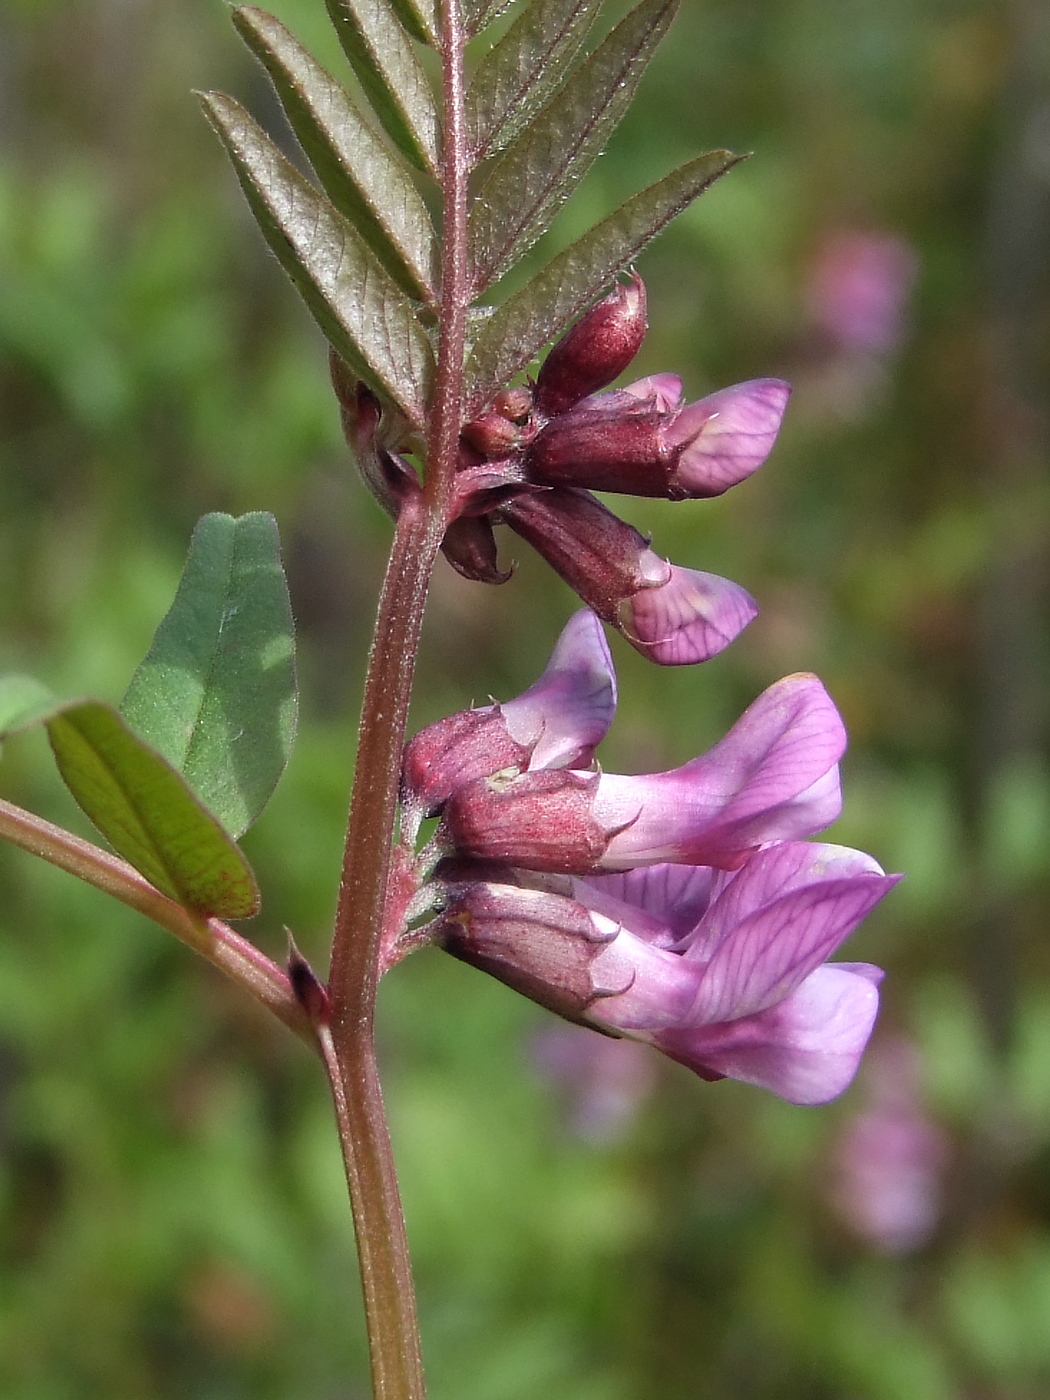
(598, 348)
(494, 436)
(630, 442)
(515, 404)
(673, 616)
(455, 751)
(470, 547)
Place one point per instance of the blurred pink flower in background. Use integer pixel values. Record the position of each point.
(888, 1165)
(859, 289)
(601, 1082)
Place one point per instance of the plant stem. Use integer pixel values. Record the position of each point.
(348, 1045)
(213, 939)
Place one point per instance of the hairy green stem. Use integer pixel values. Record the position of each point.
(348, 1044)
(213, 939)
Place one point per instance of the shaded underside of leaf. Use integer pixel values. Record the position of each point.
(215, 694)
(148, 814)
(388, 68)
(360, 174)
(362, 311)
(526, 186)
(542, 309)
(517, 75)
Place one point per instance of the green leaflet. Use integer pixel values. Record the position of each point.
(216, 692)
(361, 310)
(362, 177)
(520, 328)
(148, 814)
(420, 18)
(529, 182)
(395, 82)
(517, 75)
(137, 800)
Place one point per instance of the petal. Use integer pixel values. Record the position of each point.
(726, 436)
(658, 986)
(772, 778)
(690, 618)
(569, 709)
(806, 1049)
(767, 956)
(676, 895)
(663, 390)
(766, 877)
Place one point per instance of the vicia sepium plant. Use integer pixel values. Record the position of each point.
(686, 909)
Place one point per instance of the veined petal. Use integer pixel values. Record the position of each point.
(770, 779)
(690, 618)
(567, 712)
(675, 895)
(726, 436)
(770, 953)
(767, 876)
(806, 1049)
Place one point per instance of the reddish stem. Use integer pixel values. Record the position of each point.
(349, 1048)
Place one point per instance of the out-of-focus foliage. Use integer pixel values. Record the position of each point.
(172, 1215)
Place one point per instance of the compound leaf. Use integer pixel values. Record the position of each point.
(360, 174)
(215, 694)
(362, 311)
(555, 296)
(526, 185)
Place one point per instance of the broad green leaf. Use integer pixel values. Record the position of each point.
(361, 310)
(542, 309)
(395, 82)
(360, 174)
(518, 74)
(24, 701)
(527, 185)
(148, 814)
(216, 694)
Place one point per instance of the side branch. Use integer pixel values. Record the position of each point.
(213, 939)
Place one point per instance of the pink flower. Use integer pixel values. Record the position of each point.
(678, 908)
(745, 992)
(641, 441)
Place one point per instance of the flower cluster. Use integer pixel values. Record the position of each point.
(532, 459)
(684, 908)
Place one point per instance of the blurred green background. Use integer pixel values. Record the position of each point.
(586, 1223)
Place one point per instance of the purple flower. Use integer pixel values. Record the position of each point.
(557, 723)
(672, 615)
(640, 441)
(527, 458)
(774, 777)
(745, 992)
(678, 908)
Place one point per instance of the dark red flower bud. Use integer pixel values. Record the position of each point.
(494, 436)
(515, 404)
(456, 750)
(470, 547)
(598, 348)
